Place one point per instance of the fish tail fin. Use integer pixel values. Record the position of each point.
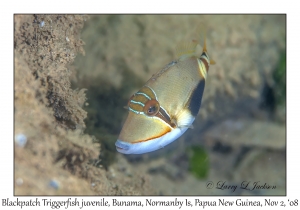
(201, 29)
(212, 62)
(185, 49)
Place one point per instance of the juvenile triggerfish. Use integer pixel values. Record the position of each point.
(166, 106)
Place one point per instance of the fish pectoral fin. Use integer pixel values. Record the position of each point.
(185, 119)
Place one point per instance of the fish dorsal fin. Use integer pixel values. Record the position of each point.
(186, 49)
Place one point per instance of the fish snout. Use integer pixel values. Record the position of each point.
(122, 147)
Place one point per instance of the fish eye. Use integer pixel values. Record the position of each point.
(151, 107)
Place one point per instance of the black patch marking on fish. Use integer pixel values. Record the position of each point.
(196, 98)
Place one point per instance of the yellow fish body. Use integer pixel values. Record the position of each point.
(166, 106)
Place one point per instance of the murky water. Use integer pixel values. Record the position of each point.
(239, 133)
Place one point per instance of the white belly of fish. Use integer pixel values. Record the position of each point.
(151, 145)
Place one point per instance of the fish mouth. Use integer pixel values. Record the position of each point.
(122, 146)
